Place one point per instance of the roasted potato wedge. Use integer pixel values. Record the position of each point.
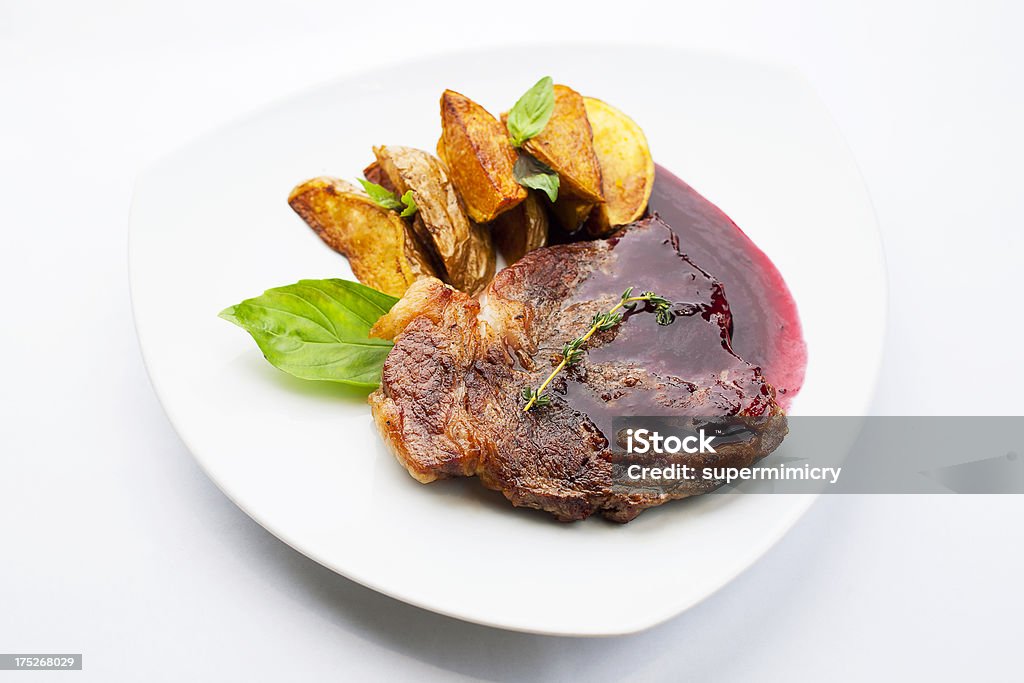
(566, 145)
(462, 251)
(521, 229)
(571, 213)
(627, 169)
(379, 245)
(475, 148)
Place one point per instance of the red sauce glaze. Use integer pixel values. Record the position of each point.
(766, 325)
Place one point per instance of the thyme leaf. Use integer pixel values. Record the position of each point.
(572, 351)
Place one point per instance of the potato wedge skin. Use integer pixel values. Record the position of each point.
(566, 145)
(521, 229)
(475, 148)
(379, 245)
(627, 168)
(461, 250)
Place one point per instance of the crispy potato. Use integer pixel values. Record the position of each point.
(475, 147)
(566, 145)
(462, 251)
(377, 177)
(379, 245)
(627, 169)
(522, 229)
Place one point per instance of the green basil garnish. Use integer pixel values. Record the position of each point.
(386, 199)
(531, 173)
(318, 329)
(531, 112)
(410, 205)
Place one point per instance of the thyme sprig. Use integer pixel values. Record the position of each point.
(572, 351)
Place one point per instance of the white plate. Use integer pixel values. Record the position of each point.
(210, 226)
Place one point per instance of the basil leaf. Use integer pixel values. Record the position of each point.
(318, 329)
(410, 205)
(382, 196)
(531, 173)
(531, 112)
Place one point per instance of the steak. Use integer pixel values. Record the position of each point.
(450, 405)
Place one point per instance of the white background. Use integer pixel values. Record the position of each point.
(114, 544)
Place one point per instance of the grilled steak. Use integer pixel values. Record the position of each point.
(449, 402)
